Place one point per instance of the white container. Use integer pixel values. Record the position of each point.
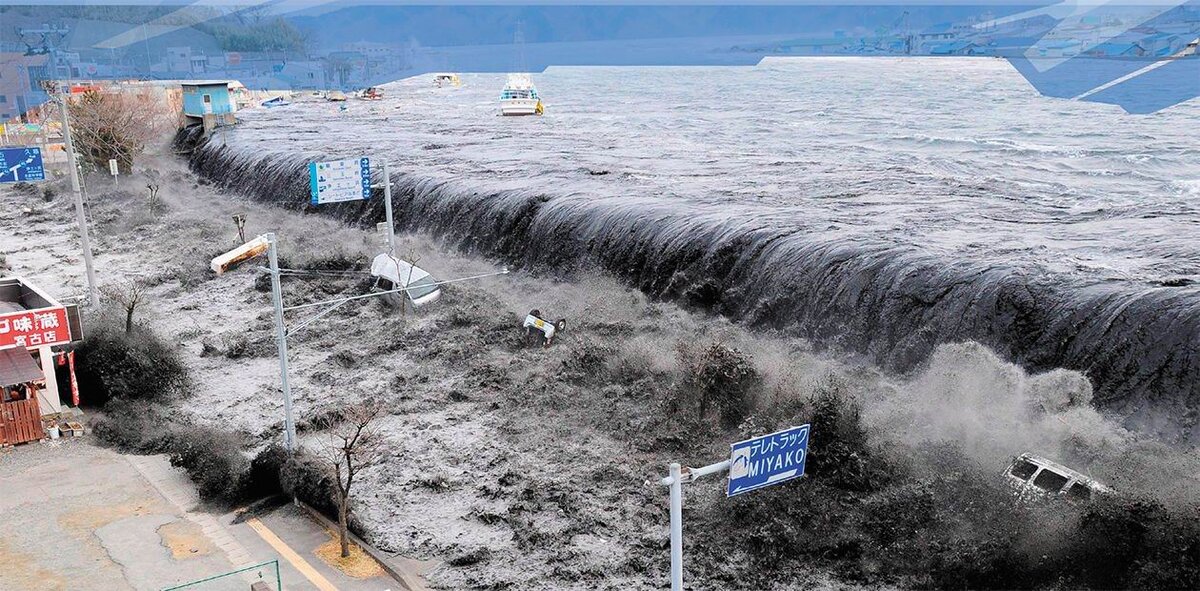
(53, 431)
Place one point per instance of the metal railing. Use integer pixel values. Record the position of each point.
(274, 564)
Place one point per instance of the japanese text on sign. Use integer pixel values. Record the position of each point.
(340, 180)
(767, 460)
(21, 164)
(35, 328)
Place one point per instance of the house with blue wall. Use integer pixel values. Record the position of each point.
(207, 97)
(209, 103)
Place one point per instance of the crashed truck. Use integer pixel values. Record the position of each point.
(391, 274)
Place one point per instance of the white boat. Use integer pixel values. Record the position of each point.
(520, 97)
(446, 79)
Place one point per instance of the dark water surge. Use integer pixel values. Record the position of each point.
(1022, 260)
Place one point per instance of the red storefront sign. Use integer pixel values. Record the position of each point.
(35, 328)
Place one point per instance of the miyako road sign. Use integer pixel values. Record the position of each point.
(767, 460)
(340, 180)
(21, 164)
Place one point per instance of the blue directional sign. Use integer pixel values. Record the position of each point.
(21, 164)
(340, 180)
(770, 459)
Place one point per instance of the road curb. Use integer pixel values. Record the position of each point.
(410, 582)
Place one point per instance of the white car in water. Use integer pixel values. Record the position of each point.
(391, 273)
(1033, 474)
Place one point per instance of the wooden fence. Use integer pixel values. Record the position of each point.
(20, 421)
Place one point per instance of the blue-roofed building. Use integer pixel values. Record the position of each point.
(208, 102)
(1161, 44)
(207, 97)
(1114, 49)
(955, 48)
(1059, 48)
(938, 32)
(1008, 46)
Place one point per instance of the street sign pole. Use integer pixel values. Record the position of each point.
(289, 436)
(677, 476)
(676, 529)
(80, 216)
(754, 463)
(387, 206)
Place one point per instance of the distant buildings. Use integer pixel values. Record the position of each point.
(20, 83)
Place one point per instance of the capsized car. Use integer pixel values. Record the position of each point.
(391, 273)
(1036, 475)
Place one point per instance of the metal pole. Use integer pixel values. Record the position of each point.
(81, 218)
(289, 435)
(387, 206)
(676, 529)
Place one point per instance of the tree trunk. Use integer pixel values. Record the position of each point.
(342, 529)
(128, 320)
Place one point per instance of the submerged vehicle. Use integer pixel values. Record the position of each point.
(444, 79)
(276, 102)
(391, 273)
(538, 329)
(1033, 474)
(520, 97)
(335, 96)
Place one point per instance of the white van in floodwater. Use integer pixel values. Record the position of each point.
(1030, 473)
(392, 273)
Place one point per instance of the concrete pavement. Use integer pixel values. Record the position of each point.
(77, 516)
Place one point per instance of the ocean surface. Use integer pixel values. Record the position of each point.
(879, 205)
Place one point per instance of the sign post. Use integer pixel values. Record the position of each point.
(21, 165)
(112, 169)
(336, 181)
(755, 463)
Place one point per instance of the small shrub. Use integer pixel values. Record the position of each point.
(132, 426)
(264, 476)
(721, 378)
(212, 458)
(305, 478)
(113, 364)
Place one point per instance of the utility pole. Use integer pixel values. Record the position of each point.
(254, 248)
(289, 437)
(81, 217)
(387, 206)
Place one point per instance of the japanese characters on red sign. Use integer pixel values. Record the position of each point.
(35, 328)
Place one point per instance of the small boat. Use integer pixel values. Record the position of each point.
(444, 79)
(276, 102)
(373, 93)
(520, 97)
(335, 96)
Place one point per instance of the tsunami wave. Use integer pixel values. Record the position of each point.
(892, 302)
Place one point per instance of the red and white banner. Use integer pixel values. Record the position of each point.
(35, 328)
(74, 383)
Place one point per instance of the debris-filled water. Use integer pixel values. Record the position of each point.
(879, 206)
(517, 466)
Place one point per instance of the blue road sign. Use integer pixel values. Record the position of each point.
(339, 180)
(21, 164)
(770, 459)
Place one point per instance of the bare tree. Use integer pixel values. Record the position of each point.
(128, 294)
(354, 444)
(117, 124)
